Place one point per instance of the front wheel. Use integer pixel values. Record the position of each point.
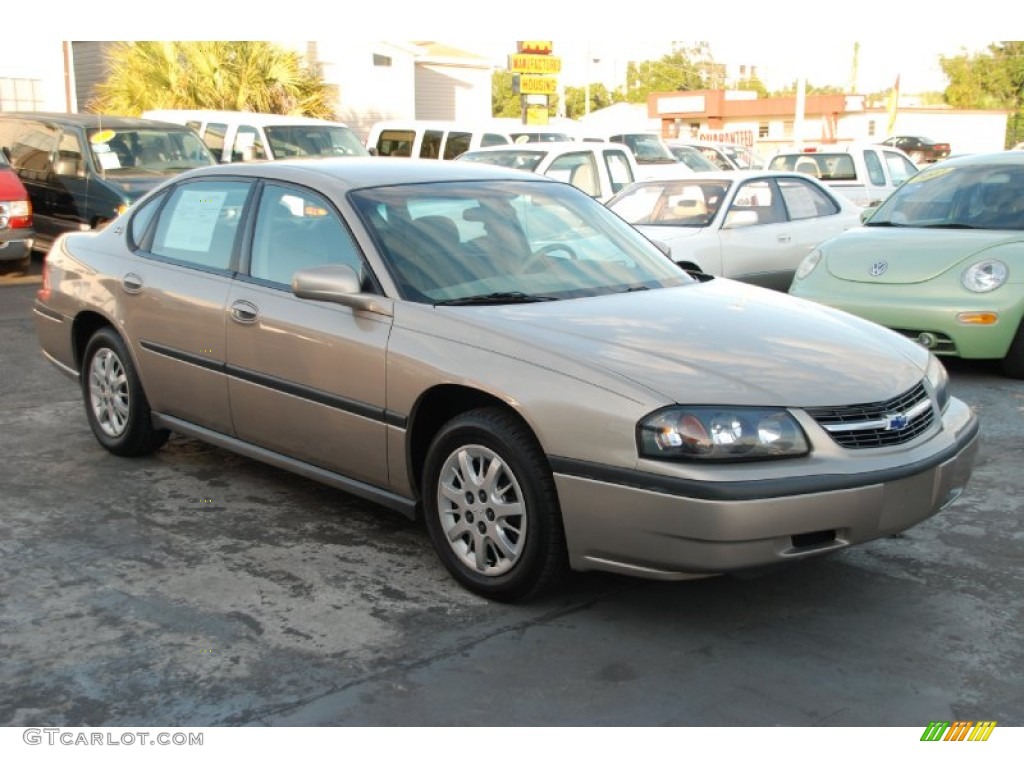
(1013, 363)
(491, 508)
(115, 403)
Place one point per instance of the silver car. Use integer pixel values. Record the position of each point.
(499, 354)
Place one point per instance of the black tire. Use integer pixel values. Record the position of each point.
(115, 404)
(1013, 363)
(503, 557)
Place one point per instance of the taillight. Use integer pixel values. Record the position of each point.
(15, 214)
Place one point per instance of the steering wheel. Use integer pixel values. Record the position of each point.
(541, 255)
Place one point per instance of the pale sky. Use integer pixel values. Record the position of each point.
(780, 37)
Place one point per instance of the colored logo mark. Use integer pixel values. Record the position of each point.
(960, 730)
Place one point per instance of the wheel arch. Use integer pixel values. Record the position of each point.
(436, 407)
(83, 328)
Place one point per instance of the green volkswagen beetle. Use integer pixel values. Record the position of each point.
(941, 261)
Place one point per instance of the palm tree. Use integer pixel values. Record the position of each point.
(254, 75)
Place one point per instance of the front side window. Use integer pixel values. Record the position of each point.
(755, 203)
(578, 169)
(199, 226)
(128, 151)
(875, 172)
(900, 169)
(492, 140)
(619, 170)
(313, 141)
(295, 229)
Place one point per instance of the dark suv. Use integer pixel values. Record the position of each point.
(16, 232)
(920, 148)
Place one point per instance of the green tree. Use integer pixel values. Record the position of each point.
(576, 99)
(505, 102)
(675, 71)
(993, 79)
(258, 76)
(753, 84)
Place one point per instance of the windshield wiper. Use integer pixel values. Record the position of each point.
(499, 297)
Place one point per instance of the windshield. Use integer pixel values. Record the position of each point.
(968, 197)
(155, 151)
(692, 158)
(504, 241)
(677, 203)
(522, 159)
(313, 141)
(648, 148)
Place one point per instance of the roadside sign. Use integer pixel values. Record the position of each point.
(534, 63)
(534, 84)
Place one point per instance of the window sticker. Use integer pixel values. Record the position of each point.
(194, 220)
(108, 159)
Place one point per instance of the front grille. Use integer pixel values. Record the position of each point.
(873, 425)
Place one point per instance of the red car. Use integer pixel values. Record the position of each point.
(920, 148)
(16, 232)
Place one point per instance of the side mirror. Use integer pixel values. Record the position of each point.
(868, 212)
(337, 283)
(738, 219)
(373, 151)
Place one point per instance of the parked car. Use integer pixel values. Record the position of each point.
(236, 137)
(653, 157)
(497, 353)
(941, 261)
(82, 170)
(920, 149)
(725, 157)
(754, 226)
(432, 139)
(865, 173)
(598, 169)
(691, 157)
(16, 232)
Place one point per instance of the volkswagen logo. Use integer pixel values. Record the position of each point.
(878, 268)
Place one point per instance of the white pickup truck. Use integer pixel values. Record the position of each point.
(864, 173)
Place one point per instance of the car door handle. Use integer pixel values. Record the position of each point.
(131, 283)
(244, 312)
(784, 238)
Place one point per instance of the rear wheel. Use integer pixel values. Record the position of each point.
(491, 508)
(115, 403)
(1013, 363)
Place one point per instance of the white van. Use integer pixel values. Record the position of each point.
(435, 139)
(242, 136)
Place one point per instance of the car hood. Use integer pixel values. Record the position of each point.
(719, 341)
(133, 187)
(907, 255)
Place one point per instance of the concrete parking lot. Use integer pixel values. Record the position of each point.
(198, 588)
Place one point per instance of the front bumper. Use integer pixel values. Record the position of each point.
(656, 533)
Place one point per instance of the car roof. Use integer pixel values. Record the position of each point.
(263, 118)
(549, 146)
(355, 172)
(90, 120)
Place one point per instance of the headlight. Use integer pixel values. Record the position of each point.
(808, 264)
(985, 276)
(939, 380)
(720, 433)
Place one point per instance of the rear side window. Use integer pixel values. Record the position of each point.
(492, 140)
(213, 137)
(458, 142)
(804, 200)
(199, 226)
(430, 147)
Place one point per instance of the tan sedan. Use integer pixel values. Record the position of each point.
(498, 353)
